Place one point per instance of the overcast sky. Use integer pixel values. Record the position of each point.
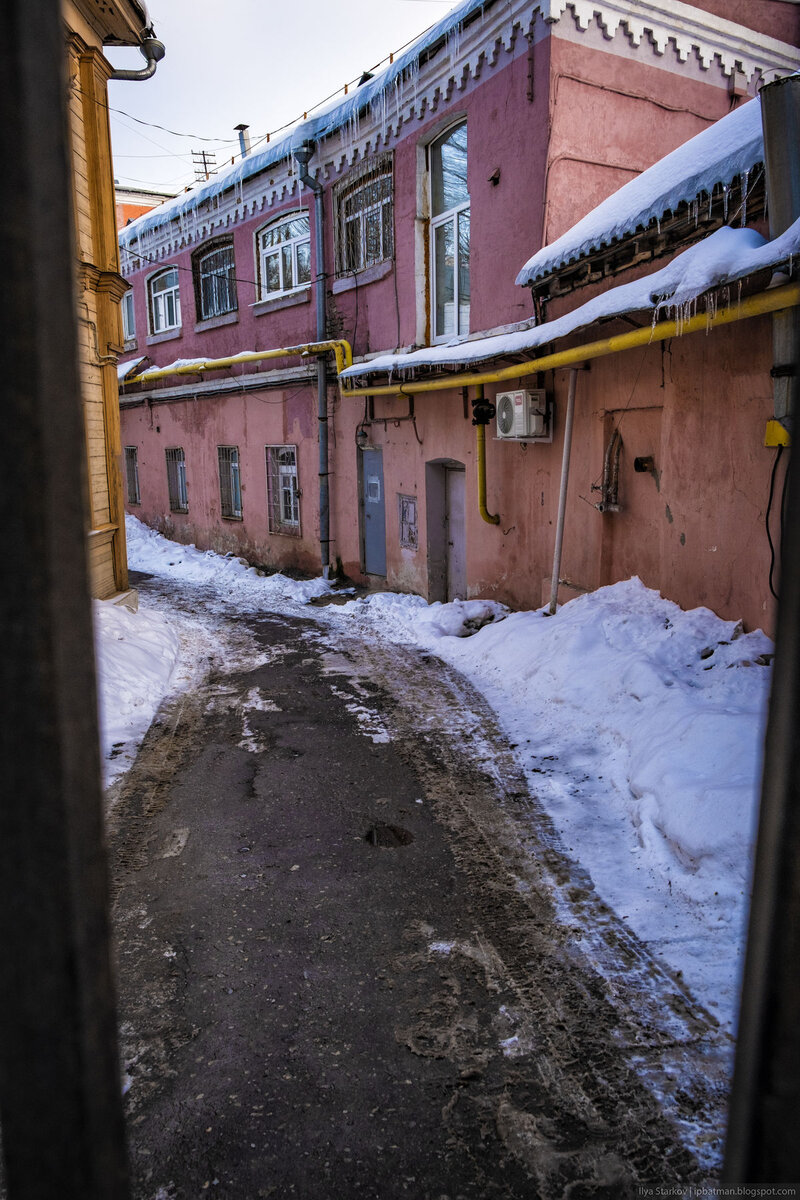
(257, 62)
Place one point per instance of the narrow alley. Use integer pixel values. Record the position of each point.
(355, 961)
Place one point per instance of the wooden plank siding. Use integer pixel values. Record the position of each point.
(100, 288)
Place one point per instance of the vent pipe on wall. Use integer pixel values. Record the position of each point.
(244, 139)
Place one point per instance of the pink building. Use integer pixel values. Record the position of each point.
(431, 185)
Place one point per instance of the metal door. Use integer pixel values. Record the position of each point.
(374, 512)
(456, 534)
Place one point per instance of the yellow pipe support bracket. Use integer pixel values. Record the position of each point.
(480, 433)
(770, 301)
(342, 352)
(776, 434)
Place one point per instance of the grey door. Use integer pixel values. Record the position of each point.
(455, 521)
(374, 512)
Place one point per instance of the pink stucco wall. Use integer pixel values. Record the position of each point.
(559, 126)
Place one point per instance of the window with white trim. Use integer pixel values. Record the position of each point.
(128, 318)
(214, 272)
(176, 480)
(132, 474)
(365, 217)
(450, 289)
(284, 256)
(230, 482)
(283, 494)
(164, 301)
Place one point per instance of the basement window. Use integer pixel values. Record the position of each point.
(283, 494)
(230, 482)
(132, 474)
(176, 480)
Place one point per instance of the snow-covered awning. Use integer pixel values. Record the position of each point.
(723, 258)
(728, 149)
(127, 368)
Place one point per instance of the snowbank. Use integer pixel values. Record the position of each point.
(639, 726)
(135, 655)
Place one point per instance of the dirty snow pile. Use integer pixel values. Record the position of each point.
(639, 726)
(230, 576)
(135, 655)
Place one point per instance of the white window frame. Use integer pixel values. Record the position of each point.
(176, 479)
(132, 474)
(230, 483)
(224, 299)
(283, 490)
(128, 317)
(368, 196)
(295, 245)
(164, 306)
(451, 216)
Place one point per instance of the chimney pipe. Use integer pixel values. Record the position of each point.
(244, 139)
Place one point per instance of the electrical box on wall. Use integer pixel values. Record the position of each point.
(524, 414)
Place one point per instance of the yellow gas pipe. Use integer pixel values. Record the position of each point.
(480, 435)
(342, 352)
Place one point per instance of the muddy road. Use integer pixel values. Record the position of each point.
(355, 960)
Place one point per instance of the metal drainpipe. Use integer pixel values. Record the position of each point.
(562, 496)
(302, 155)
(153, 50)
(780, 119)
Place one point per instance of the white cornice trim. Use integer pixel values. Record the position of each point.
(690, 29)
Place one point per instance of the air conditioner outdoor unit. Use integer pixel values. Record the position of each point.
(523, 414)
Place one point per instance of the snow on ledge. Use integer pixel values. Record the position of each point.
(730, 147)
(722, 258)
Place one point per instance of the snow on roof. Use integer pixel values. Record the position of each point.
(327, 118)
(124, 369)
(730, 147)
(725, 256)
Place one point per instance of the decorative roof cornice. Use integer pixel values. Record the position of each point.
(690, 29)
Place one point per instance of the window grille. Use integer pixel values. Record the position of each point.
(132, 474)
(215, 281)
(230, 483)
(284, 256)
(176, 480)
(283, 495)
(364, 228)
(164, 301)
(409, 537)
(128, 319)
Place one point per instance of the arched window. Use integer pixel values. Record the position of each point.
(214, 273)
(284, 256)
(450, 290)
(164, 301)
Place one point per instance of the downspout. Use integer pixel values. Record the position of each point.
(780, 119)
(153, 50)
(483, 411)
(562, 496)
(302, 155)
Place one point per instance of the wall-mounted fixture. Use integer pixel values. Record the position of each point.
(644, 463)
(524, 414)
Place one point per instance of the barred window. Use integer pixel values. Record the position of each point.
(214, 273)
(230, 483)
(283, 495)
(365, 217)
(176, 480)
(284, 256)
(132, 474)
(407, 506)
(164, 301)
